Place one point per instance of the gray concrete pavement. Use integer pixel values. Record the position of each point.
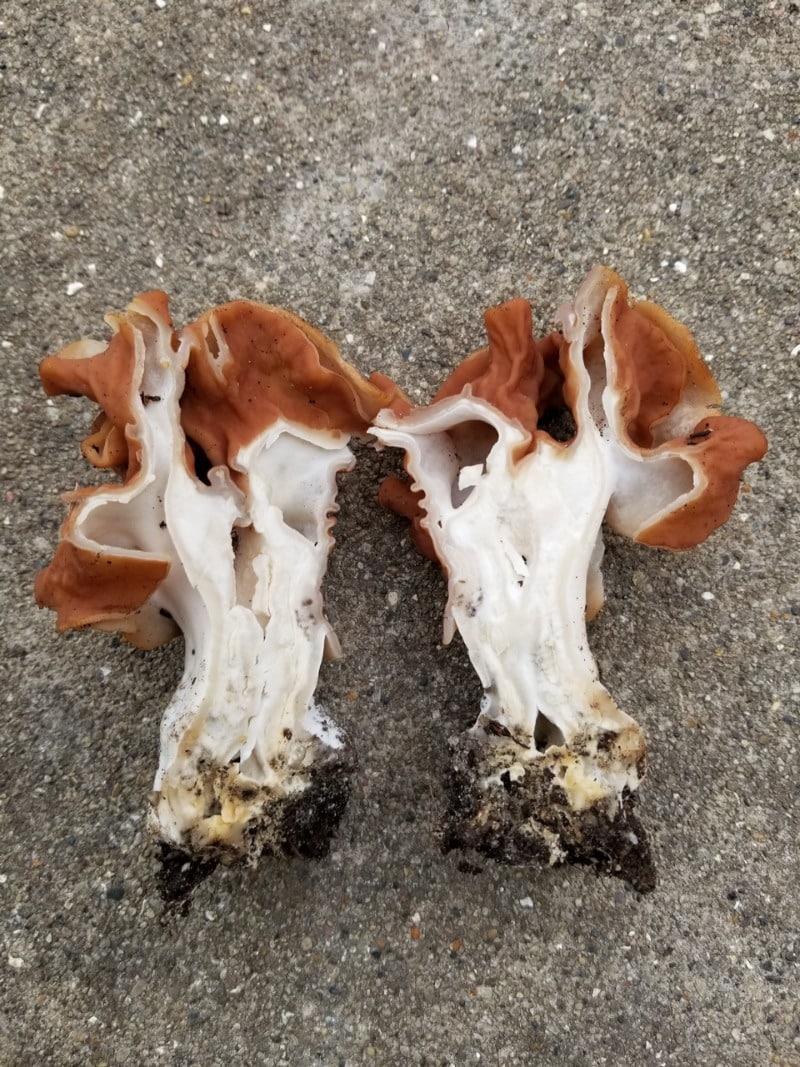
(389, 170)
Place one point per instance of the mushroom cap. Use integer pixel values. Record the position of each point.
(679, 461)
(676, 460)
(235, 371)
(250, 364)
(519, 374)
(86, 588)
(89, 583)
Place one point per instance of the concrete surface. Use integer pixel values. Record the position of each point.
(388, 170)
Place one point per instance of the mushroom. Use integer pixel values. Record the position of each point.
(526, 448)
(228, 436)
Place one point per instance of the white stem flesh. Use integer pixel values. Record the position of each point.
(518, 553)
(521, 541)
(256, 632)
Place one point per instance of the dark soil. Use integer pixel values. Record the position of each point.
(529, 821)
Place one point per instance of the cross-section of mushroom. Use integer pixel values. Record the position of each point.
(228, 436)
(525, 450)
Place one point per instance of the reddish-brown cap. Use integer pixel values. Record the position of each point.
(250, 364)
(247, 366)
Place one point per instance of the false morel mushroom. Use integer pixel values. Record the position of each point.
(227, 436)
(525, 450)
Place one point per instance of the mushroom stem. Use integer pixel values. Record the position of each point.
(519, 552)
(243, 730)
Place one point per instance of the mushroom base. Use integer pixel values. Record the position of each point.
(528, 819)
(300, 823)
